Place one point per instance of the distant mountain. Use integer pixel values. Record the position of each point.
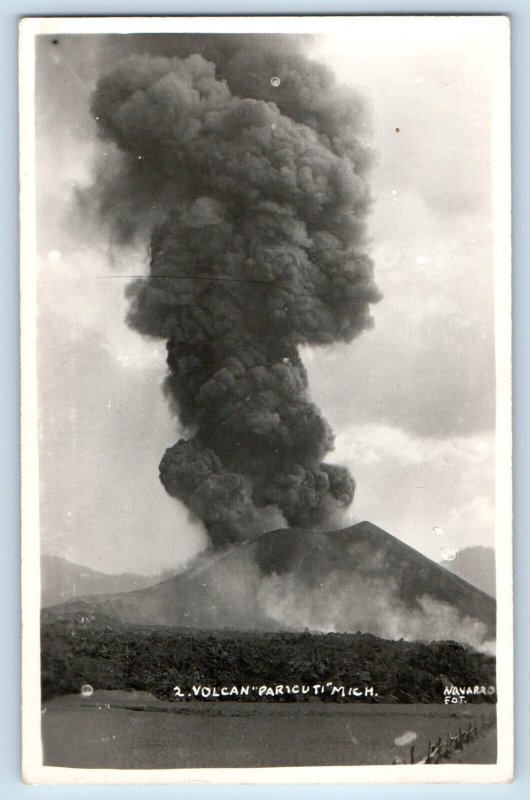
(477, 566)
(357, 579)
(62, 580)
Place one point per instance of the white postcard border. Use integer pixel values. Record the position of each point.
(33, 770)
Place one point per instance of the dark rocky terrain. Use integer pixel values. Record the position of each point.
(82, 647)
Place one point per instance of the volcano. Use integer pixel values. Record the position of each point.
(359, 578)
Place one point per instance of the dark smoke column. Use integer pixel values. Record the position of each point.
(255, 193)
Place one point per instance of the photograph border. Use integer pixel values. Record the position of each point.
(506, 432)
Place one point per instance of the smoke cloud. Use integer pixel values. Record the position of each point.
(246, 166)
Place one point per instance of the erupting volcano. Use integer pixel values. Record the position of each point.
(245, 167)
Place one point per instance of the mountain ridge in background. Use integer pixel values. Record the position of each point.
(477, 566)
(63, 580)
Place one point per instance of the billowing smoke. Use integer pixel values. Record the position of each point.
(246, 166)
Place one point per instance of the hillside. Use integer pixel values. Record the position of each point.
(357, 579)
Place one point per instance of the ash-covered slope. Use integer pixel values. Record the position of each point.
(357, 579)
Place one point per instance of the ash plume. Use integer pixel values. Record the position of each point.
(245, 165)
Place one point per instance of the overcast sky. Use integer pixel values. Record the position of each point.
(411, 402)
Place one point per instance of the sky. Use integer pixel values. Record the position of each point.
(412, 401)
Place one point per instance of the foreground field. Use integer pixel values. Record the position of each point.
(108, 731)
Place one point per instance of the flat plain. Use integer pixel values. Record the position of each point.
(131, 730)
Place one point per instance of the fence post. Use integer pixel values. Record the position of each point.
(412, 754)
(428, 759)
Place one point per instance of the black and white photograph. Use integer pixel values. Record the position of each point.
(266, 433)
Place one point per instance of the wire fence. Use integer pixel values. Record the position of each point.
(448, 745)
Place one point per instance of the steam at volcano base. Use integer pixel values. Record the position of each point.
(245, 166)
(357, 579)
